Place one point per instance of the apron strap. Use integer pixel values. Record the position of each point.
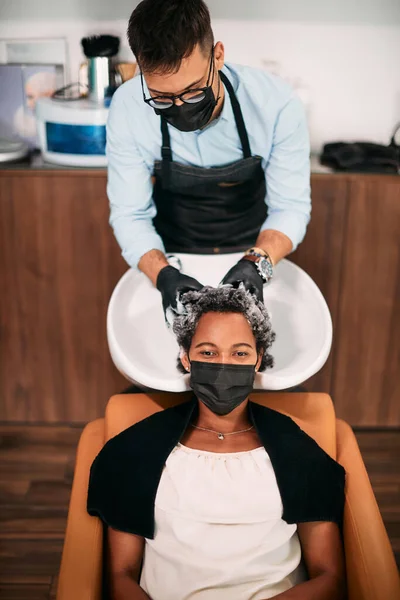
(237, 112)
(166, 152)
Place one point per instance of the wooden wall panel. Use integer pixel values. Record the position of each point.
(366, 385)
(59, 264)
(321, 255)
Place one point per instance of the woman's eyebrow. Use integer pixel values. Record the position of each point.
(169, 94)
(242, 344)
(215, 345)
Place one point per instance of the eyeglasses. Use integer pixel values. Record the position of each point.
(189, 97)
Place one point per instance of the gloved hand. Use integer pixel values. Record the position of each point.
(245, 271)
(172, 284)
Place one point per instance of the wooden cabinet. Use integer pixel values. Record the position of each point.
(59, 263)
(352, 251)
(366, 385)
(320, 254)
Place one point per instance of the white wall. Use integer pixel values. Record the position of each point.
(375, 12)
(352, 71)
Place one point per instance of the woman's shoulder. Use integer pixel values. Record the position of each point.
(311, 482)
(157, 425)
(126, 472)
(281, 433)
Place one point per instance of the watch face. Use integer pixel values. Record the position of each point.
(265, 269)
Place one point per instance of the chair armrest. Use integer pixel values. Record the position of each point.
(371, 568)
(80, 575)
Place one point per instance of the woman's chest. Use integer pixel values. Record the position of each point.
(213, 487)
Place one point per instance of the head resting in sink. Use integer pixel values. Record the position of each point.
(223, 325)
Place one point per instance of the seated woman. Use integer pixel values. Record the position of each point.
(220, 498)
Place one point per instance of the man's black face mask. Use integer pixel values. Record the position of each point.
(191, 116)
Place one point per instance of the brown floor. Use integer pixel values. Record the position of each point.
(36, 470)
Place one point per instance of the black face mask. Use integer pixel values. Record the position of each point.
(190, 117)
(221, 387)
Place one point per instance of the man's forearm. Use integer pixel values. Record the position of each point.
(322, 587)
(151, 264)
(277, 244)
(124, 587)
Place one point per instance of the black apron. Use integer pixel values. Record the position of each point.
(210, 210)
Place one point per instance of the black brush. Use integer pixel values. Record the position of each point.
(100, 45)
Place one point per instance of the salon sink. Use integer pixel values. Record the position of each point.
(145, 351)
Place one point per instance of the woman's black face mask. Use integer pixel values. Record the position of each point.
(221, 387)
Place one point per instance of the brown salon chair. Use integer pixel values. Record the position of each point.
(371, 569)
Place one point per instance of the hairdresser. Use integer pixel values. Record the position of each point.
(204, 157)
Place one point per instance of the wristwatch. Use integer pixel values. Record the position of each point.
(263, 262)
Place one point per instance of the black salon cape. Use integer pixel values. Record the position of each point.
(125, 475)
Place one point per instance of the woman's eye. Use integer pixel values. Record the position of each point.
(242, 353)
(207, 353)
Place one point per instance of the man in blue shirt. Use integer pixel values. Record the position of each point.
(203, 156)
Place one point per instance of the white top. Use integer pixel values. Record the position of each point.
(219, 530)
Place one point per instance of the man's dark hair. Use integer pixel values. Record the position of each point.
(163, 32)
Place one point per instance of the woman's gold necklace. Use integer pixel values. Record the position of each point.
(221, 436)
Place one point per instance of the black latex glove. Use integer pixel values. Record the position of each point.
(245, 271)
(172, 284)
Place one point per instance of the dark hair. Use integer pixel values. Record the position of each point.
(228, 299)
(163, 32)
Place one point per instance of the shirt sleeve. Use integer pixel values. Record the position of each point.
(129, 188)
(288, 174)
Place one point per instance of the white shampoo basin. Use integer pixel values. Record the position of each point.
(144, 350)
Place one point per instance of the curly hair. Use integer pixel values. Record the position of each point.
(195, 304)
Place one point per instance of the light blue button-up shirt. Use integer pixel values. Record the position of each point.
(277, 130)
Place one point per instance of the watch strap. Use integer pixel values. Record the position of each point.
(259, 252)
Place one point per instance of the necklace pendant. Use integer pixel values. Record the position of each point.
(221, 436)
